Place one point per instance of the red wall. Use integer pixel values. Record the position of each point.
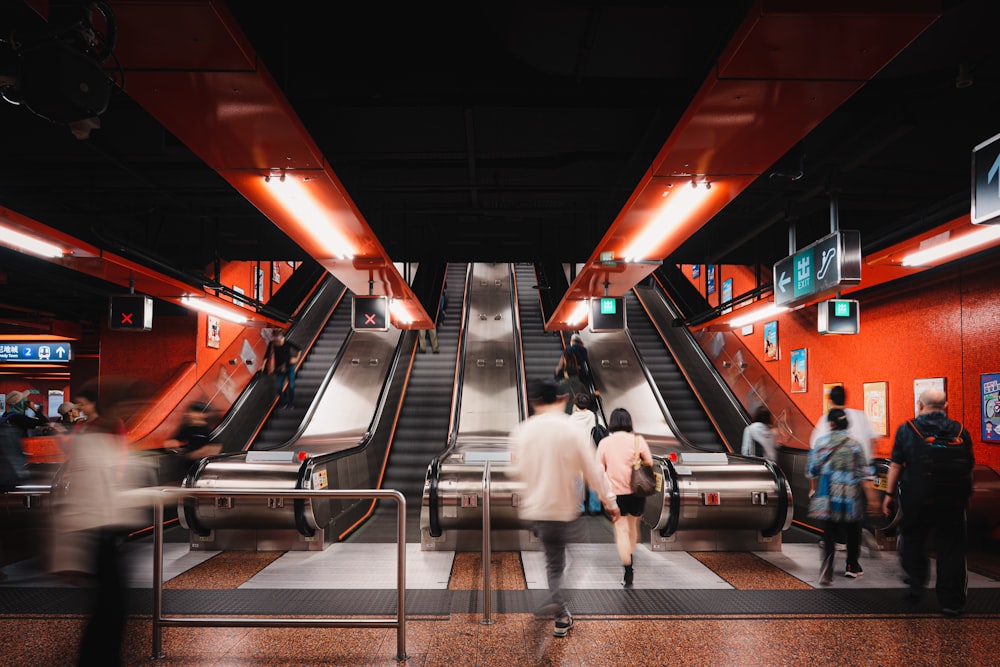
(942, 323)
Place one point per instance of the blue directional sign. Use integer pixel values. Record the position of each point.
(818, 268)
(986, 182)
(45, 352)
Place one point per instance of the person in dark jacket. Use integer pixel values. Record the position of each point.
(16, 415)
(925, 512)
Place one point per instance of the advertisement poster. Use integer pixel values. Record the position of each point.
(275, 272)
(771, 341)
(695, 270)
(827, 388)
(876, 406)
(920, 386)
(799, 371)
(727, 293)
(990, 383)
(710, 278)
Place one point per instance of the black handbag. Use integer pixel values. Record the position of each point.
(643, 482)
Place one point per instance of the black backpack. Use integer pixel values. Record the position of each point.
(598, 432)
(13, 465)
(945, 465)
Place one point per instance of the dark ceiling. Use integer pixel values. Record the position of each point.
(493, 131)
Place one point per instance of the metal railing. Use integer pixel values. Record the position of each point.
(160, 621)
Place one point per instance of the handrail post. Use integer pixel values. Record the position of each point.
(487, 548)
(400, 576)
(158, 579)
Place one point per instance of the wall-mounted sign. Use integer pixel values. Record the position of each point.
(818, 269)
(45, 352)
(986, 182)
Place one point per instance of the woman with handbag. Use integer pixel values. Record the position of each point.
(616, 454)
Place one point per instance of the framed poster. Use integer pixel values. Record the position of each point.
(258, 283)
(990, 385)
(275, 272)
(877, 406)
(922, 385)
(771, 341)
(727, 293)
(695, 270)
(710, 278)
(799, 371)
(214, 335)
(827, 388)
(239, 292)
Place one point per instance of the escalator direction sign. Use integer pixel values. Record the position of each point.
(370, 313)
(607, 313)
(45, 352)
(130, 312)
(818, 269)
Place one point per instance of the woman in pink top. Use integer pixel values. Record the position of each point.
(615, 454)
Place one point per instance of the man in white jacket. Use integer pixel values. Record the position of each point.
(550, 456)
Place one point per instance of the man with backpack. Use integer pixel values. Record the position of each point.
(931, 477)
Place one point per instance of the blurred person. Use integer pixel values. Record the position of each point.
(930, 475)
(578, 350)
(615, 455)
(69, 414)
(282, 358)
(550, 457)
(585, 417)
(838, 463)
(17, 413)
(759, 437)
(442, 310)
(191, 442)
(91, 518)
(567, 373)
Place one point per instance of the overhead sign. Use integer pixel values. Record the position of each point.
(818, 268)
(130, 312)
(45, 352)
(986, 182)
(838, 316)
(607, 313)
(371, 313)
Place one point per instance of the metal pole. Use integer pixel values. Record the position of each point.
(401, 575)
(158, 579)
(487, 618)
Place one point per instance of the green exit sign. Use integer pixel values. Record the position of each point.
(609, 306)
(842, 308)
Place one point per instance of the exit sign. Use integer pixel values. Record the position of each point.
(838, 316)
(818, 269)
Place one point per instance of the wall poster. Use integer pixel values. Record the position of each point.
(727, 294)
(275, 272)
(771, 341)
(877, 406)
(920, 386)
(710, 278)
(827, 388)
(990, 385)
(695, 270)
(214, 335)
(799, 371)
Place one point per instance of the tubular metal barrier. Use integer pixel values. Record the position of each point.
(719, 491)
(174, 494)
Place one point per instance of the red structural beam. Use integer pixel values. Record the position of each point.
(788, 67)
(192, 68)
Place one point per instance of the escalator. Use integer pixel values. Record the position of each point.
(540, 349)
(692, 422)
(422, 429)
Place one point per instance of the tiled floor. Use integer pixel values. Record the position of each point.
(652, 637)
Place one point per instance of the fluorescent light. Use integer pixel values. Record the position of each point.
(400, 311)
(296, 197)
(757, 315)
(20, 241)
(579, 314)
(206, 306)
(677, 205)
(962, 243)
